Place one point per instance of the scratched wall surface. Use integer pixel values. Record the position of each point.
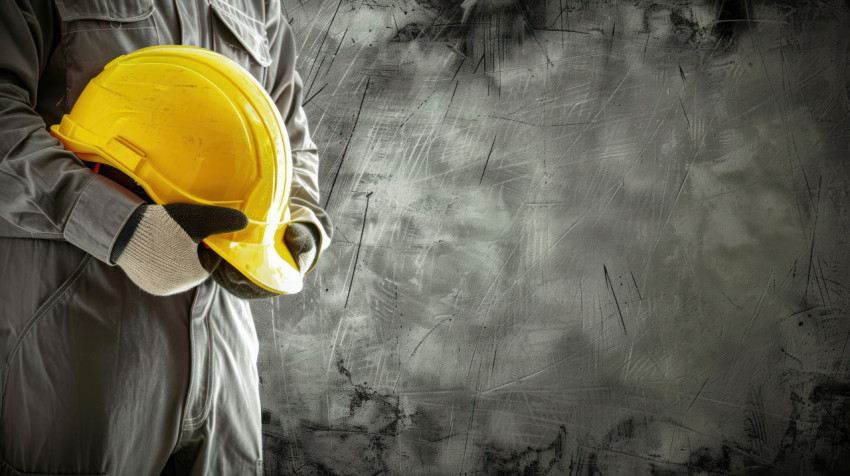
(571, 238)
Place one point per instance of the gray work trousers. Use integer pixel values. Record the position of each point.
(100, 378)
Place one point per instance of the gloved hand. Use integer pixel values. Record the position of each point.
(302, 239)
(158, 247)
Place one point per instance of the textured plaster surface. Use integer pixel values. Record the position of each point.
(571, 238)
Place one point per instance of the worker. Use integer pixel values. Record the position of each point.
(119, 354)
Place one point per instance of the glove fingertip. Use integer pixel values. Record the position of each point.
(201, 221)
(238, 220)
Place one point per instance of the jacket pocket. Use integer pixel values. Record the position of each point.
(240, 35)
(119, 11)
(31, 387)
(96, 32)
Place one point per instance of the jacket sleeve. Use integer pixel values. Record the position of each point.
(286, 91)
(44, 189)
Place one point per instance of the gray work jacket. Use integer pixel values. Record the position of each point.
(51, 49)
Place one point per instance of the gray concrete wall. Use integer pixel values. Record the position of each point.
(571, 238)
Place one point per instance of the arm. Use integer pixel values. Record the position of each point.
(286, 90)
(45, 189)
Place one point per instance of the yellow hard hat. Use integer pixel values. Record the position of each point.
(191, 126)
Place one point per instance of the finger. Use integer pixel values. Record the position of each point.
(201, 221)
(300, 237)
(237, 284)
(302, 240)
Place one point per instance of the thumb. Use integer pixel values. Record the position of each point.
(302, 240)
(201, 221)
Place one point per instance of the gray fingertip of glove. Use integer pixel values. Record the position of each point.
(302, 239)
(158, 247)
(237, 284)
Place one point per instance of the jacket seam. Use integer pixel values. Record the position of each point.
(105, 16)
(4, 463)
(109, 29)
(49, 236)
(188, 399)
(48, 304)
(39, 313)
(139, 17)
(198, 420)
